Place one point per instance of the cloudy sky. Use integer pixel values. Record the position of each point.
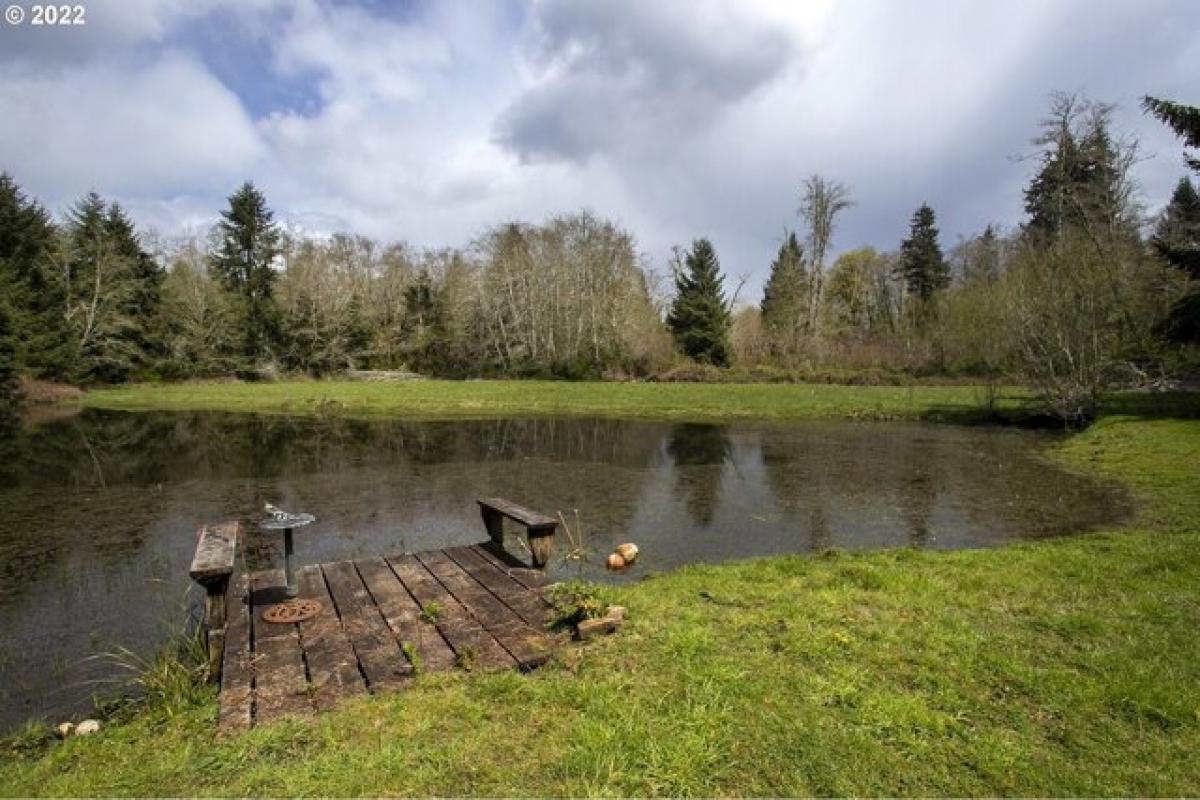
(427, 121)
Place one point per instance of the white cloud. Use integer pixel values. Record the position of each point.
(359, 57)
(124, 128)
(614, 76)
(112, 27)
(677, 118)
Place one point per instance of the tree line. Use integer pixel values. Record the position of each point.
(87, 300)
(1074, 300)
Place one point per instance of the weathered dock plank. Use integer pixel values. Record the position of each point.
(235, 703)
(473, 646)
(403, 616)
(489, 615)
(280, 676)
(333, 671)
(529, 578)
(529, 605)
(377, 649)
(523, 643)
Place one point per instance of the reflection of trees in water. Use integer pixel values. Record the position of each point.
(990, 482)
(699, 452)
(102, 478)
(1004, 486)
(57, 500)
(108, 476)
(596, 466)
(796, 480)
(853, 472)
(917, 499)
(100, 447)
(819, 535)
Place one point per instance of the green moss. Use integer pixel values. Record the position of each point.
(1068, 666)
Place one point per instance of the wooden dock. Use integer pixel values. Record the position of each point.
(382, 620)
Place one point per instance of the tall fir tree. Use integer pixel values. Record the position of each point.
(144, 299)
(1176, 238)
(922, 267)
(248, 244)
(699, 317)
(107, 275)
(1183, 119)
(784, 303)
(1048, 196)
(1082, 181)
(8, 366)
(30, 282)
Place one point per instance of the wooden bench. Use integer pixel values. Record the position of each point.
(539, 528)
(212, 567)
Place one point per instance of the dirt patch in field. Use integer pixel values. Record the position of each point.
(32, 391)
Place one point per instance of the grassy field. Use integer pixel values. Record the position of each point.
(1068, 667)
(447, 399)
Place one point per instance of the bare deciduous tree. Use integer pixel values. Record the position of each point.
(823, 200)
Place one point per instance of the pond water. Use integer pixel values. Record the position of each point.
(98, 511)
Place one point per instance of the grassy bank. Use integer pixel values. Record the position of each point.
(446, 399)
(1059, 667)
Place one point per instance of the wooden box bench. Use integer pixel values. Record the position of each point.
(539, 528)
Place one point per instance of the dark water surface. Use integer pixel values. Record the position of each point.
(98, 512)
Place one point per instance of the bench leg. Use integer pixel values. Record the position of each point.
(215, 606)
(494, 524)
(541, 546)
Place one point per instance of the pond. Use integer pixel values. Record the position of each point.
(98, 511)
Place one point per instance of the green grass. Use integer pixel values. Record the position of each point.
(1065, 667)
(446, 399)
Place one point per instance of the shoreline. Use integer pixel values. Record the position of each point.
(1011, 670)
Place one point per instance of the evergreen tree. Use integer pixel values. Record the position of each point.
(922, 267)
(105, 279)
(1177, 235)
(358, 332)
(1177, 239)
(199, 335)
(8, 367)
(143, 301)
(699, 318)
(29, 281)
(248, 244)
(1082, 181)
(422, 326)
(784, 305)
(1184, 120)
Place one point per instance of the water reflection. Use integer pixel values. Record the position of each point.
(707, 447)
(98, 512)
